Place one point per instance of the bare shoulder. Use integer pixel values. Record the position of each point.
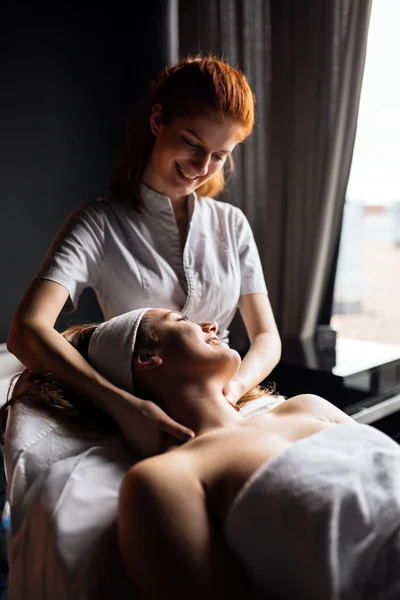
(167, 542)
(314, 405)
(154, 475)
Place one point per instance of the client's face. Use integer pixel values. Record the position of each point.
(189, 348)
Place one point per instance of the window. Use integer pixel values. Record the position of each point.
(367, 286)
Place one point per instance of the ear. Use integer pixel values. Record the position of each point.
(155, 119)
(147, 360)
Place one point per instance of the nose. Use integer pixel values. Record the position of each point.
(201, 164)
(209, 327)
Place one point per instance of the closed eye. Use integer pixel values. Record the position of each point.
(190, 144)
(197, 147)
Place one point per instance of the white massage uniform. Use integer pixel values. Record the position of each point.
(134, 259)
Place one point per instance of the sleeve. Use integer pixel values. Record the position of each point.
(252, 275)
(75, 256)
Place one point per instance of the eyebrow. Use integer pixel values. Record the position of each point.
(192, 132)
(173, 312)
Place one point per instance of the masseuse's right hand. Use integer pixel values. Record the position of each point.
(145, 427)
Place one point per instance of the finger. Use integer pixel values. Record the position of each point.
(229, 398)
(165, 423)
(176, 430)
(235, 406)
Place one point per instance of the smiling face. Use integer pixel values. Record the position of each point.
(188, 151)
(185, 350)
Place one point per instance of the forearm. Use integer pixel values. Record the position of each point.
(42, 349)
(262, 357)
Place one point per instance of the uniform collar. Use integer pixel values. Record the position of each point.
(156, 203)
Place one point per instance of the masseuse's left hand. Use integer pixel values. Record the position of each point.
(233, 391)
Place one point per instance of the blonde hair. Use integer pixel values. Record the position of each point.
(59, 398)
(257, 392)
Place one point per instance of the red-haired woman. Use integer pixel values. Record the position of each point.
(159, 239)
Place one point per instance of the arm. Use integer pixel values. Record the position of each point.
(256, 311)
(265, 344)
(168, 545)
(36, 343)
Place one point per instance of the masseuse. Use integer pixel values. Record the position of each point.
(159, 239)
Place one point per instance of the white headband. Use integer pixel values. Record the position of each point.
(111, 348)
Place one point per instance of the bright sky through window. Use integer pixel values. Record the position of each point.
(375, 173)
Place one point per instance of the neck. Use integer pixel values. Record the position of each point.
(202, 407)
(179, 203)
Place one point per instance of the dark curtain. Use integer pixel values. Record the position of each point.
(304, 61)
(241, 33)
(70, 78)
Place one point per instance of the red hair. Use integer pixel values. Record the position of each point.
(194, 85)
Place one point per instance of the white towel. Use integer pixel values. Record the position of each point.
(63, 487)
(321, 520)
(111, 347)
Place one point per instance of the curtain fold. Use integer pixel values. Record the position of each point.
(239, 30)
(350, 56)
(304, 61)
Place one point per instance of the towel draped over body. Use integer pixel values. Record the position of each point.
(322, 520)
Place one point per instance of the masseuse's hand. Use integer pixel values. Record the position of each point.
(233, 391)
(145, 426)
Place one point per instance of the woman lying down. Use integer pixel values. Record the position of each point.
(300, 502)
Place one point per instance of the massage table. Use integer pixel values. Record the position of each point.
(63, 485)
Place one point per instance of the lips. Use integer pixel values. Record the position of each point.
(213, 340)
(185, 175)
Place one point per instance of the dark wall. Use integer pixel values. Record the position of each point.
(69, 79)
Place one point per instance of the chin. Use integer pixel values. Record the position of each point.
(236, 357)
(231, 356)
(187, 187)
(223, 353)
(231, 350)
